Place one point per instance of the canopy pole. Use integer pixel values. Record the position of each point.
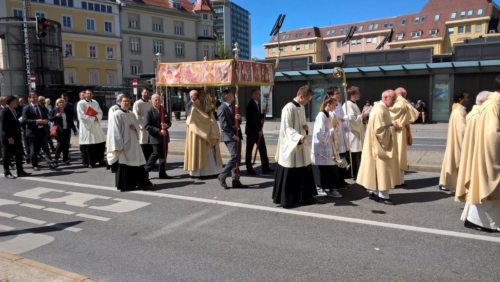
(236, 50)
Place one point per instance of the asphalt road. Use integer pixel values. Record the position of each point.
(193, 230)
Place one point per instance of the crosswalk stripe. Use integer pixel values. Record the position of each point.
(30, 220)
(58, 211)
(31, 206)
(100, 218)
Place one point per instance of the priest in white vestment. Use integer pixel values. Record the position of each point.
(294, 183)
(140, 108)
(379, 170)
(456, 130)
(481, 189)
(124, 153)
(355, 127)
(91, 136)
(404, 114)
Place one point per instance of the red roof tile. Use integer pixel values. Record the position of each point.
(202, 6)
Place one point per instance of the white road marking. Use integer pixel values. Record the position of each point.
(6, 228)
(23, 243)
(30, 220)
(7, 215)
(75, 199)
(210, 220)
(64, 227)
(100, 218)
(285, 211)
(59, 211)
(5, 202)
(31, 206)
(36, 193)
(122, 206)
(169, 228)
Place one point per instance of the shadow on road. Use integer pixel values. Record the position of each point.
(421, 183)
(422, 197)
(44, 229)
(264, 185)
(58, 173)
(176, 184)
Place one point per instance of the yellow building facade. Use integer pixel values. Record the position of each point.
(90, 34)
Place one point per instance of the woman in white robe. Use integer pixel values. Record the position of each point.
(323, 153)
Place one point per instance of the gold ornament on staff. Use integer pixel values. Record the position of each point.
(339, 73)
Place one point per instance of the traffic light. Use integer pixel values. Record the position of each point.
(42, 26)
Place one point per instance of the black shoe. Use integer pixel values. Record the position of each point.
(222, 182)
(374, 197)
(442, 188)
(9, 176)
(147, 187)
(468, 224)
(165, 176)
(251, 172)
(403, 185)
(237, 184)
(267, 171)
(23, 174)
(386, 201)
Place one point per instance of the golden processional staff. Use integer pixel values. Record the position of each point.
(274, 32)
(339, 73)
(163, 125)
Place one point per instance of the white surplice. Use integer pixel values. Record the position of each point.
(90, 131)
(323, 148)
(356, 129)
(140, 108)
(341, 129)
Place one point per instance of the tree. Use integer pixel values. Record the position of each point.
(222, 51)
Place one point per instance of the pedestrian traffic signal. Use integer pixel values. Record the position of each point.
(42, 27)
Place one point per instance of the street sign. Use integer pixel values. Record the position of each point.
(33, 82)
(134, 86)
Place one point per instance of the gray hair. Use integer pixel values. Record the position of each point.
(482, 96)
(119, 98)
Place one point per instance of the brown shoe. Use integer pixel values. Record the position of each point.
(222, 181)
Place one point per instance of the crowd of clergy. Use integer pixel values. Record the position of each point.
(368, 146)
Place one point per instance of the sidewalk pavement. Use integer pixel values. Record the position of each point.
(14, 268)
(418, 160)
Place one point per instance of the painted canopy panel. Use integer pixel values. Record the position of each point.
(215, 73)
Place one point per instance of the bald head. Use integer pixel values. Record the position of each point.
(482, 96)
(400, 91)
(193, 95)
(389, 97)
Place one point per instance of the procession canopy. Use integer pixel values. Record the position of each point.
(215, 73)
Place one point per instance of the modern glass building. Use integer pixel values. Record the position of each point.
(232, 24)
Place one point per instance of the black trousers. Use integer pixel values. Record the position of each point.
(157, 154)
(93, 153)
(63, 138)
(234, 149)
(355, 162)
(264, 160)
(37, 142)
(147, 150)
(13, 150)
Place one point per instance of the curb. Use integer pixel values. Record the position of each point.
(24, 262)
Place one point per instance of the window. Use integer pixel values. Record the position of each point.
(91, 24)
(110, 52)
(461, 29)
(416, 34)
(94, 77)
(135, 67)
(296, 48)
(422, 19)
(404, 21)
(205, 16)
(468, 28)
(109, 9)
(388, 24)
(179, 49)
(309, 33)
(157, 24)
(355, 42)
(206, 31)
(41, 15)
(437, 17)
(371, 40)
(68, 49)
(339, 44)
(298, 35)
(17, 13)
(451, 30)
(108, 26)
(158, 46)
(206, 51)
(69, 76)
(67, 22)
(96, 7)
(400, 36)
(178, 28)
(92, 51)
(103, 8)
(479, 12)
(90, 6)
(462, 14)
(135, 44)
(416, 20)
(111, 77)
(433, 32)
(306, 46)
(370, 27)
(133, 21)
(339, 58)
(359, 28)
(470, 13)
(453, 15)
(84, 4)
(479, 28)
(375, 26)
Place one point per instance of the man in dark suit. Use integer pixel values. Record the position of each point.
(36, 119)
(253, 130)
(158, 134)
(10, 130)
(231, 137)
